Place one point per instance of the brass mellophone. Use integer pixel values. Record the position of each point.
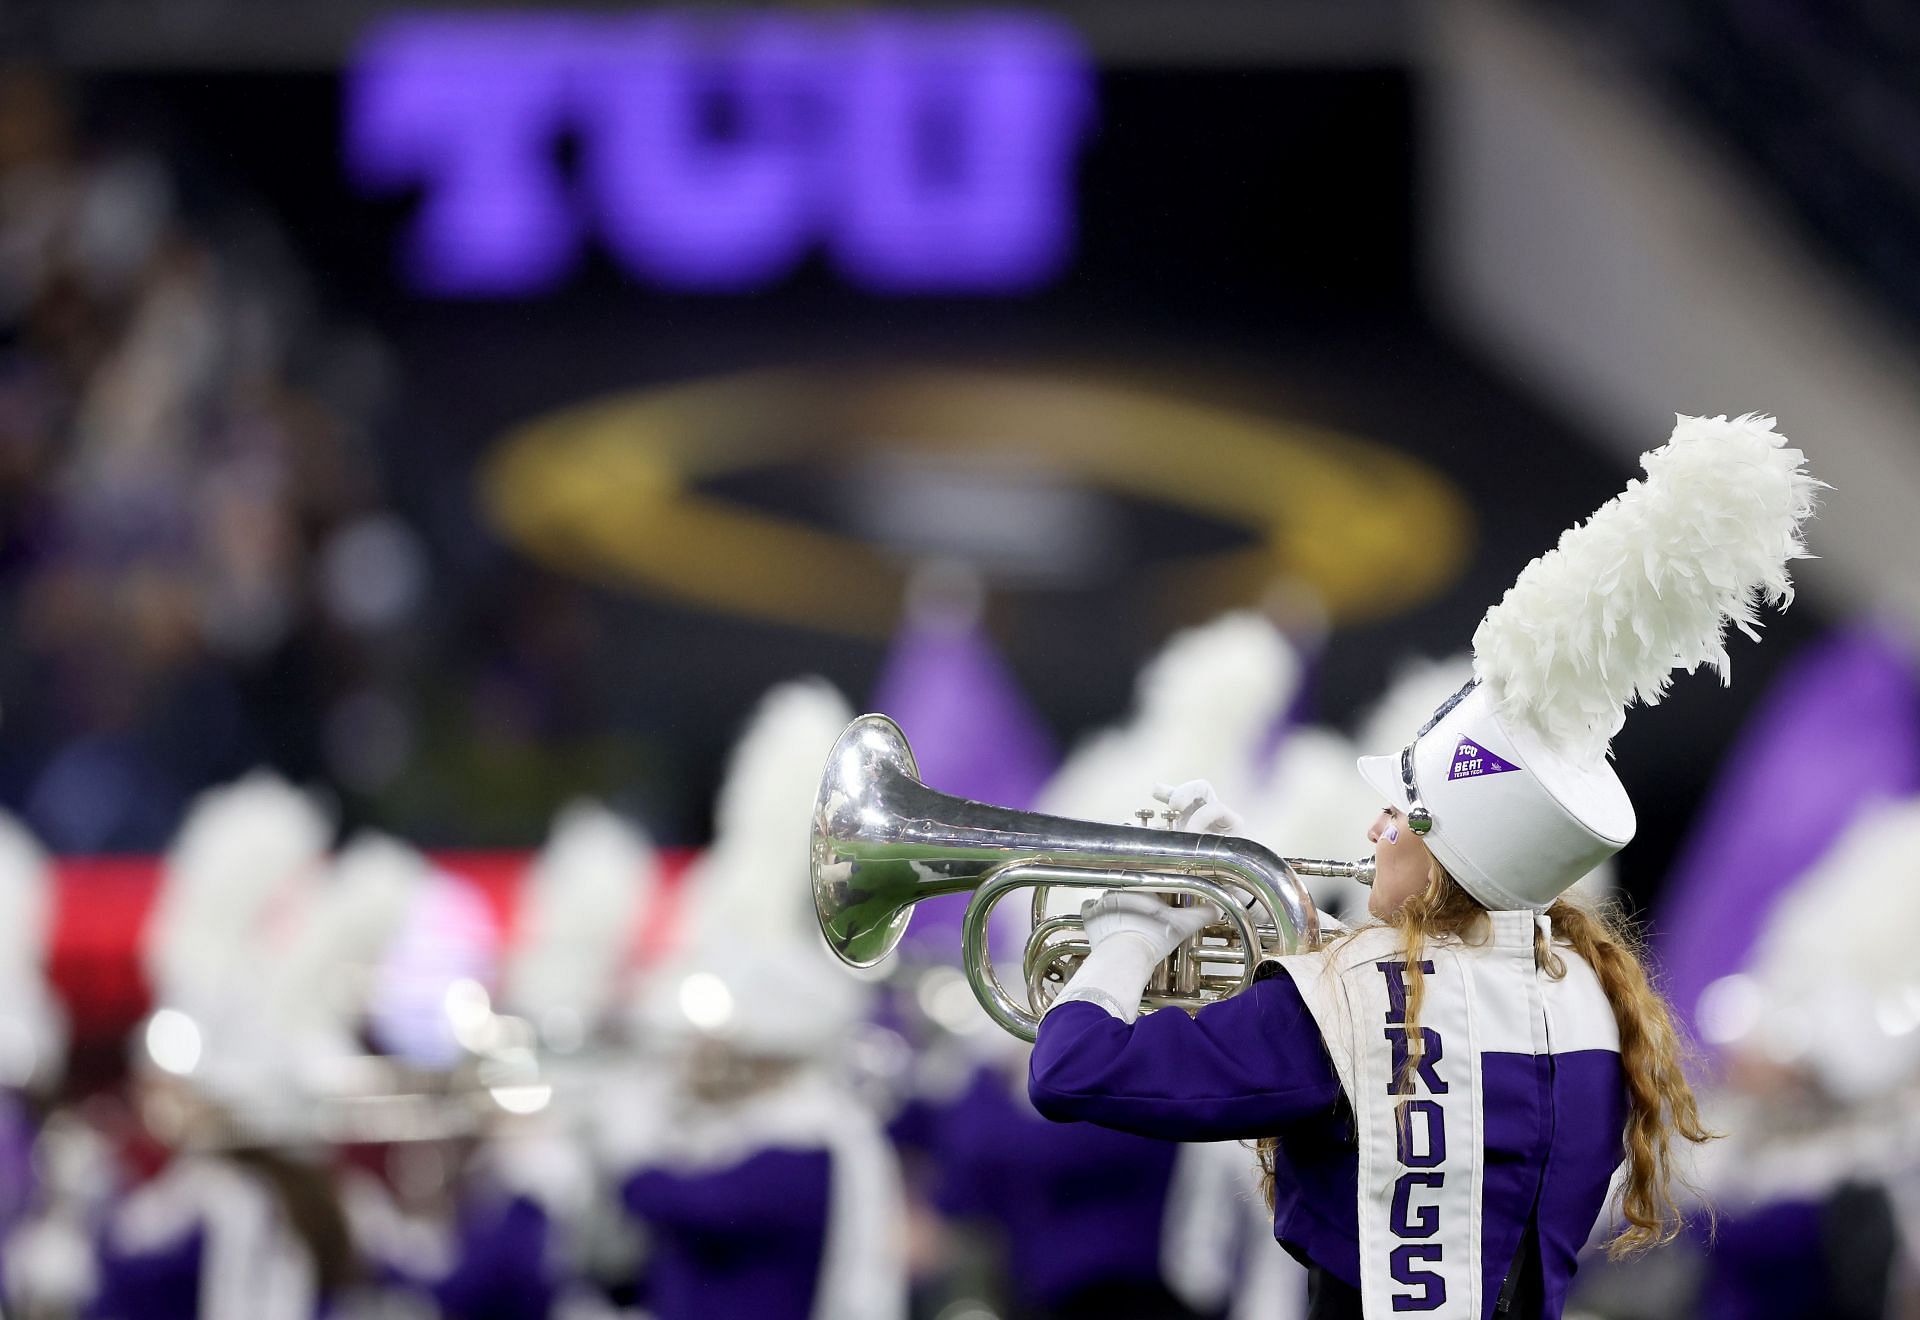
(882, 841)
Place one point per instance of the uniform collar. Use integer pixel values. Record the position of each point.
(1515, 929)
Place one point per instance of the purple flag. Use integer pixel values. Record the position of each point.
(1839, 729)
(973, 732)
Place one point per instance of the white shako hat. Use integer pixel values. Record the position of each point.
(1508, 783)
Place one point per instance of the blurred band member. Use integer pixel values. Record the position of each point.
(765, 1185)
(1079, 1209)
(41, 1220)
(242, 1223)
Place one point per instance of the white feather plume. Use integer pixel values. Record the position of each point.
(244, 855)
(322, 983)
(586, 889)
(25, 904)
(1649, 583)
(752, 883)
(1202, 706)
(1219, 678)
(1856, 1019)
(33, 1025)
(750, 917)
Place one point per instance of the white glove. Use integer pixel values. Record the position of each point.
(1198, 808)
(1124, 914)
(1131, 934)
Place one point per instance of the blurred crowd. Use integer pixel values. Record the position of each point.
(656, 1094)
(199, 567)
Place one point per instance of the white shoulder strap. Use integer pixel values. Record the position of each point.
(863, 1274)
(1421, 1140)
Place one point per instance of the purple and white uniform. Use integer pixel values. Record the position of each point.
(788, 1204)
(746, 1239)
(1495, 1153)
(204, 1239)
(1082, 1207)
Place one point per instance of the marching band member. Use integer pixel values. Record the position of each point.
(765, 1186)
(1082, 1210)
(1820, 1059)
(1443, 1096)
(586, 892)
(530, 1204)
(254, 1064)
(234, 1228)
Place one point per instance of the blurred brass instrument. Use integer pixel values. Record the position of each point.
(882, 841)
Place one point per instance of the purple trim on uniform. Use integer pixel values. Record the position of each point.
(1316, 1213)
(1081, 1206)
(744, 1240)
(150, 1285)
(1241, 1068)
(1255, 1065)
(1554, 1124)
(1244, 1068)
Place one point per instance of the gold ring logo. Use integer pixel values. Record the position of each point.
(610, 489)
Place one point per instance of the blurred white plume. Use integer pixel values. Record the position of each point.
(587, 888)
(1313, 803)
(1852, 1015)
(752, 968)
(232, 886)
(321, 987)
(1202, 707)
(33, 1024)
(752, 885)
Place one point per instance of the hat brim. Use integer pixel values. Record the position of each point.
(1382, 774)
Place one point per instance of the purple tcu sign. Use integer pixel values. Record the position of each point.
(1420, 1145)
(926, 154)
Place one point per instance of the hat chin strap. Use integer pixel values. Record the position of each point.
(1419, 819)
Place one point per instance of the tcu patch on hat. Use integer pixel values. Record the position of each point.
(1471, 759)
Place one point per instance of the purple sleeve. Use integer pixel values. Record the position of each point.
(773, 1189)
(1241, 1068)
